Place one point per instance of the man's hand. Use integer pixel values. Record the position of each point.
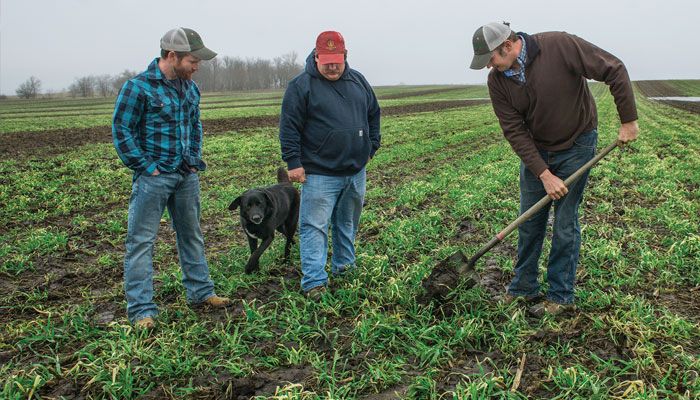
(155, 172)
(553, 185)
(628, 132)
(297, 175)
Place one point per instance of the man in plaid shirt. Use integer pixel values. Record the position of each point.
(157, 134)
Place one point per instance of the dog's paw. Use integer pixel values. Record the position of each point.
(250, 268)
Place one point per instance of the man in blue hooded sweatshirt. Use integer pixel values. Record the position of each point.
(329, 130)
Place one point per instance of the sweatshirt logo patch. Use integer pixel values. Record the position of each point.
(361, 132)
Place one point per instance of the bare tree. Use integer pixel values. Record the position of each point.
(120, 79)
(220, 74)
(83, 87)
(29, 89)
(103, 85)
(209, 77)
(286, 68)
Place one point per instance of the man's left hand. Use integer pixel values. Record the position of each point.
(628, 132)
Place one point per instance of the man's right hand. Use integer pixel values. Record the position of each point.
(555, 187)
(297, 175)
(155, 172)
(628, 132)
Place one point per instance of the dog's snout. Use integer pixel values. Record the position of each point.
(256, 219)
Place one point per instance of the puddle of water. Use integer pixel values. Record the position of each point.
(683, 98)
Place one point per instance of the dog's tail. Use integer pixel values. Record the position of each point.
(282, 176)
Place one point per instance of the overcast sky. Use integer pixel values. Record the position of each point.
(389, 41)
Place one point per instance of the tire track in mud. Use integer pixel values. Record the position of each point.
(58, 141)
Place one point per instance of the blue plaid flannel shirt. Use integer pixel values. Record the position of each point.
(154, 126)
(519, 75)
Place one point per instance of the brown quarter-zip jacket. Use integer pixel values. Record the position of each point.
(555, 106)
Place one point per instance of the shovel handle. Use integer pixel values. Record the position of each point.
(538, 206)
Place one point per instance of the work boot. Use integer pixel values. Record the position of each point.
(547, 307)
(145, 323)
(316, 293)
(217, 301)
(508, 299)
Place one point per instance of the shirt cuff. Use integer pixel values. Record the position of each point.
(294, 163)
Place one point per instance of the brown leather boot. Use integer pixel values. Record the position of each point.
(217, 302)
(145, 323)
(551, 308)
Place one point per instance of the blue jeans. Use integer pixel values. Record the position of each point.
(149, 197)
(329, 199)
(566, 236)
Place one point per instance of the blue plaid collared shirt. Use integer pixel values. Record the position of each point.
(519, 75)
(157, 126)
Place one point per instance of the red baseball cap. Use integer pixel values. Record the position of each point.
(330, 48)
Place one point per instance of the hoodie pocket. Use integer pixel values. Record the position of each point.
(345, 148)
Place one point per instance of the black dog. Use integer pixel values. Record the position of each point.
(265, 209)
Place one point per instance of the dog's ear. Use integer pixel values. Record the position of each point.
(235, 203)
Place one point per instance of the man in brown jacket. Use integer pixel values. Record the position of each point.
(539, 92)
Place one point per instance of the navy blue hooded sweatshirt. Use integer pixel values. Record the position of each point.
(329, 127)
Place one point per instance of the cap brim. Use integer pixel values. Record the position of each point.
(480, 61)
(331, 58)
(203, 54)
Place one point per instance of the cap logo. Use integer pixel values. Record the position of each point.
(330, 45)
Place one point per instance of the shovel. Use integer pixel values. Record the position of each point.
(465, 268)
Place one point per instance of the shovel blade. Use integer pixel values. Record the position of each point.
(449, 273)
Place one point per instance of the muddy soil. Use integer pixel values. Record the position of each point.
(425, 92)
(57, 141)
(657, 89)
(263, 383)
(445, 277)
(691, 106)
(663, 89)
(26, 114)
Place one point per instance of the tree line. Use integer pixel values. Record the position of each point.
(217, 75)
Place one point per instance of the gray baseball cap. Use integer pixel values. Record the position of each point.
(186, 40)
(486, 39)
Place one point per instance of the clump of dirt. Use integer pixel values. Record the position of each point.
(445, 277)
(493, 280)
(263, 383)
(465, 366)
(62, 388)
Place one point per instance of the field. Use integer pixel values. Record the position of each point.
(445, 179)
